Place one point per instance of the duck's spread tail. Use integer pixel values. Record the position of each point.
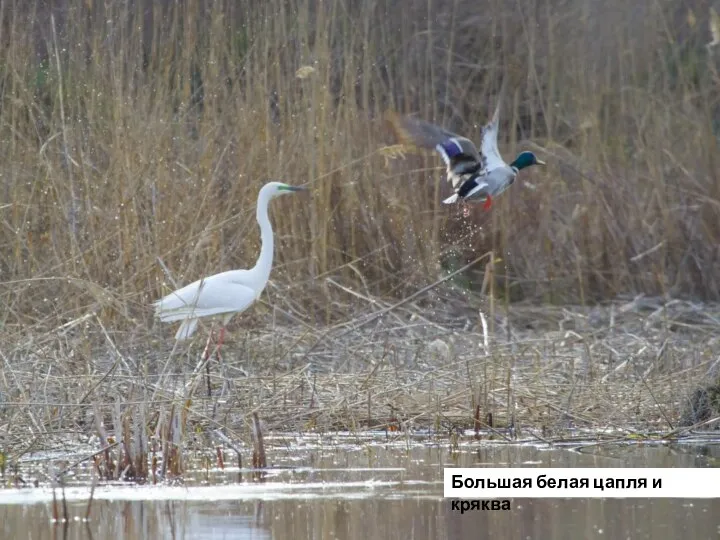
(451, 199)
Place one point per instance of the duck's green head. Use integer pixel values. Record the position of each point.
(526, 159)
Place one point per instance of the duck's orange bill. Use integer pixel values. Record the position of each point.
(488, 203)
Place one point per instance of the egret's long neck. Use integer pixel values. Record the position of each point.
(264, 262)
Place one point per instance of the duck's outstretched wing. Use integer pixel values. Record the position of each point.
(459, 153)
(491, 158)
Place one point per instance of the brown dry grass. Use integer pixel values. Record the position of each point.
(545, 374)
(136, 131)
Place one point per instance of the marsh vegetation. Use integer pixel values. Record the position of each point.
(135, 136)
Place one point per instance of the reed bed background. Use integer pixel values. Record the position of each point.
(138, 130)
(135, 132)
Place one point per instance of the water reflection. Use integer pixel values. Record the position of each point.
(404, 503)
(375, 519)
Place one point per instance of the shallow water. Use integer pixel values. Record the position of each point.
(352, 489)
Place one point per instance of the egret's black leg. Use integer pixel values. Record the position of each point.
(206, 359)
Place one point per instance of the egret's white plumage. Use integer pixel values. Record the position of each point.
(226, 293)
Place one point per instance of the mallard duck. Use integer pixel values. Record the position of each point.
(475, 176)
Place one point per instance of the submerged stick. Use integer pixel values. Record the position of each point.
(90, 500)
(259, 456)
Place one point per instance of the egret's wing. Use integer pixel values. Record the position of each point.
(186, 329)
(459, 153)
(488, 147)
(221, 293)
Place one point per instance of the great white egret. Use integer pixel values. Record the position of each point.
(475, 176)
(227, 293)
